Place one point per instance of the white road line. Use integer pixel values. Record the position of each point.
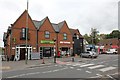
(55, 70)
(94, 67)
(107, 69)
(98, 76)
(68, 64)
(114, 73)
(88, 71)
(71, 67)
(79, 69)
(56, 65)
(103, 62)
(111, 77)
(36, 73)
(86, 65)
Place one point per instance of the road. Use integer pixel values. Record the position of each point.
(105, 66)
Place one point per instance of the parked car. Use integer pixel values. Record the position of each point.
(89, 54)
(112, 51)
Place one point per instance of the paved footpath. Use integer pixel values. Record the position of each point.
(17, 65)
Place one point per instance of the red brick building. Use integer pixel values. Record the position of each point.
(42, 37)
(109, 43)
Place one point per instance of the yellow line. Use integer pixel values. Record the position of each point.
(4, 67)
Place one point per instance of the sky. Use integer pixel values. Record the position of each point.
(79, 14)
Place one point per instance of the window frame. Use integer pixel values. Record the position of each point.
(47, 34)
(64, 36)
(23, 33)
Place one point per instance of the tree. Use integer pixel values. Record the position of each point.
(94, 37)
(113, 34)
(87, 38)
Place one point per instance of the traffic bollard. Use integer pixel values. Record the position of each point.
(72, 59)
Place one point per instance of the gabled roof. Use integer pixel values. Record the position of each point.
(39, 23)
(57, 27)
(75, 31)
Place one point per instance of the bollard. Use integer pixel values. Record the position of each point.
(43, 61)
(72, 59)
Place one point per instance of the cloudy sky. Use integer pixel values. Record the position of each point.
(79, 14)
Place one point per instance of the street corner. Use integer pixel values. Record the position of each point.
(5, 68)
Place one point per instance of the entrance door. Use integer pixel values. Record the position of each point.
(22, 53)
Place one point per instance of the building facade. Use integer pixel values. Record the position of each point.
(109, 44)
(78, 46)
(43, 37)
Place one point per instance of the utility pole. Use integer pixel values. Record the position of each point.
(26, 54)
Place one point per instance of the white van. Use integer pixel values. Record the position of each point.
(112, 51)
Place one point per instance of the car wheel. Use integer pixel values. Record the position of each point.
(90, 56)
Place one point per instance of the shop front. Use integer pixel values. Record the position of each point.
(46, 51)
(65, 48)
(20, 52)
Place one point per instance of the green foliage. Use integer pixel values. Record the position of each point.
(94, 38)
(113, 34)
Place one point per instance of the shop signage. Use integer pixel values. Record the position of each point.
(64, 42)
(47, 41)
(13, 47)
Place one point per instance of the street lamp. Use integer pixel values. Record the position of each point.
(26, 34)
(54, 50)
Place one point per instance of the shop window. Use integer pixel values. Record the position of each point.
(65, 36)
(47, 34)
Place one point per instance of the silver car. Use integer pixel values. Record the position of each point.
(89, 54)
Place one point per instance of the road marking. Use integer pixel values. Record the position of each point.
(88, 71)
(79, 69)
(111, 77)
(114, 73)
(56, 65)
(55, 70)
(36, 73)
(86, 65)
(98, 76)
(68, 64)
(71, 67)
(107, 69)
(78, 64)
(103, 62)
(93, 67)
(5, 67)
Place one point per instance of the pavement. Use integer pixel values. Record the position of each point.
(18, 65)
(105, 66)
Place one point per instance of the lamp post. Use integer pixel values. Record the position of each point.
(26, 34)
(54, 51)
